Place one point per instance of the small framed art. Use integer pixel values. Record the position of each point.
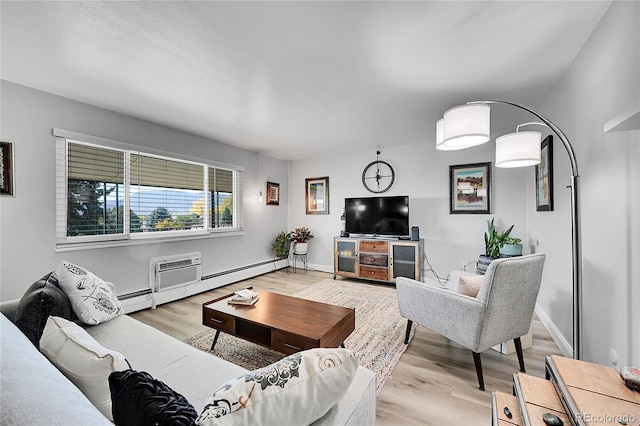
(470, 188)
(273, 194)
(544, 177)
(317, 195)
(7, 186)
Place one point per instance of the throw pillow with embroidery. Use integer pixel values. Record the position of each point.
(93, 300)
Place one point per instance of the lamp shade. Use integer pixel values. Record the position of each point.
(466, 126)
(440, 138)
(518, 149)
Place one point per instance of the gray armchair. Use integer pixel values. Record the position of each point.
(501, 311)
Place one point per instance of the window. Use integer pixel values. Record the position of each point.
(111, 191)
(168, 195)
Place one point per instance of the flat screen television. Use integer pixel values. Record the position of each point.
(377, 215)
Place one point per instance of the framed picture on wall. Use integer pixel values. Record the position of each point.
(544, 177)
(6, 169)
(470, 188)
(273, 194)
(317, 195)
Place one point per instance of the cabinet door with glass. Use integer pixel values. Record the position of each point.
(405, 260)
(346, 257)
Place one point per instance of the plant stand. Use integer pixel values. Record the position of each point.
(303, 257)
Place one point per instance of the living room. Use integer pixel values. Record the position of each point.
(597, 84)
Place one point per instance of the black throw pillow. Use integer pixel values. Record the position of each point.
(138, 399)
(42, 299)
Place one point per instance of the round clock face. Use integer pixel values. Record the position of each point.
(378, 176)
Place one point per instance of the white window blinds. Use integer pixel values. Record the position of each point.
(106, 193)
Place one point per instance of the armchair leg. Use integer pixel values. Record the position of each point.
(406, 336)
(518, 346)
(478, 363)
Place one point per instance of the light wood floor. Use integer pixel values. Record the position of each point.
(433, 384)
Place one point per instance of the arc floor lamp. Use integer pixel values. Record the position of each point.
(468, 125)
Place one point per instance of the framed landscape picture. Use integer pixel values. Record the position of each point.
(470, 188)
(317, 195)
(273, 194)
(544, 177)
(6, 169)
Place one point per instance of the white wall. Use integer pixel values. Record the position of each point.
(27, 221)
(423, 174)
(603, 80)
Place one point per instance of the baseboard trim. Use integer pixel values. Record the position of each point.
(563, 344)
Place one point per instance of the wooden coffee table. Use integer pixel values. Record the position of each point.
(284, 323)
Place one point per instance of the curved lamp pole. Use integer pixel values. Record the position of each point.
(575, 224)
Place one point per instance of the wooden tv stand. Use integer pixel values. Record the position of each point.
(378, 259)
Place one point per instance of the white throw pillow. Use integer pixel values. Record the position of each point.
(296, 390)
(92, 299)
(82, 359)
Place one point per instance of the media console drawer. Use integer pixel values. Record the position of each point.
(374, 246)
(374, 273)
(373, 259)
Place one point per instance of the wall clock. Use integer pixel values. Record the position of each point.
(378, 176)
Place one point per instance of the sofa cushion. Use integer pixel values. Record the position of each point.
(42, 299)
(298, 389)
(470, 284)
(139, 399)
(93, 300)
(83, 360)
(33, 391)
(166, 358)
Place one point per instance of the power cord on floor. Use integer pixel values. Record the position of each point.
(442, 281)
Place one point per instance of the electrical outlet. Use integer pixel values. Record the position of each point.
(613, 357)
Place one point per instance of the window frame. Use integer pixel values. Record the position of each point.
(65, 242)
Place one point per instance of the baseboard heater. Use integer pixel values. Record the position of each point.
(134, 294)
(231, 271)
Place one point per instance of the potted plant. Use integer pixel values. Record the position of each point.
(301, 237)
(493, 241)
(511, 247)
(280, 245)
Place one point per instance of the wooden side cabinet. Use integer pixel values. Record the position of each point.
(378, 259)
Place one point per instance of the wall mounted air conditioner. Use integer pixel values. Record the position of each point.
(174, 271)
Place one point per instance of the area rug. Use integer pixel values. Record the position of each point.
(378, 336)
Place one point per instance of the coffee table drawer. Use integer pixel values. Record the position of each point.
(290, 343)
(219, 321)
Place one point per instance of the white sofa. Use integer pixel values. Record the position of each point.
(34, 392)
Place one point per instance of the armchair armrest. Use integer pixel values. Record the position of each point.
(450, 314)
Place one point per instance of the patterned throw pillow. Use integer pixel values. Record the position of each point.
(470, 284)
(296, 390)
(93, 300)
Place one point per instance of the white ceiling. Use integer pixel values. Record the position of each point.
(294, 79)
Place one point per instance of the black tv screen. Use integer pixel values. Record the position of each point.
(377, 215)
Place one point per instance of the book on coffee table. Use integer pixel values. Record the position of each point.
(235, 301)
(244, 297)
